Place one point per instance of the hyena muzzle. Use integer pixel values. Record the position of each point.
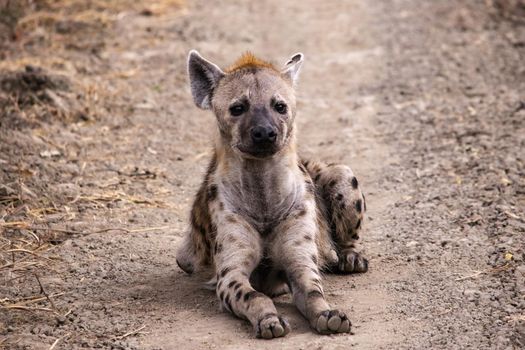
(265, 221)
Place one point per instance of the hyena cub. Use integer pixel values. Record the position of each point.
(265, 221)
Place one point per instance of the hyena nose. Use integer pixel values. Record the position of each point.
(263, 134)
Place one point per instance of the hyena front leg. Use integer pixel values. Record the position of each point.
(238, 252)
(344, 208)
(295, 251)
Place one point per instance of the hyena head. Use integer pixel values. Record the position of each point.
(254, 102)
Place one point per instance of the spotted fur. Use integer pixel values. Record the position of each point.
(264, 221)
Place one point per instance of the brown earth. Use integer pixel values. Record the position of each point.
(424, 99)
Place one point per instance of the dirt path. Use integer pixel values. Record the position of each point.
(433, 131)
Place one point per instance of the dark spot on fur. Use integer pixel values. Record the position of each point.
(308, 238)
(342, 206)
(249, 295)
(251, 257)
(339, 196)
(317, 177)
(306, 163)
(358, 205)
(221, 205)
(331, 164)
(237, 285)
(364, 202)
(231, 218)
(354, 182)
(310, 187)
(252, 295)
(303, 169)
(225, 271)
(314, 258)
(231, 284)
(212, 192)
(221, 295)
(316, 281)
(358, 224)
(228, 303)
(332, 183)
(355, 236)
(302, 212)
(238, 295)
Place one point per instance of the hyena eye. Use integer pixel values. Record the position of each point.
(280, 107)
(237, 110)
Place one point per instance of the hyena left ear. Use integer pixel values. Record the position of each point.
(204, 77)
(292, 67)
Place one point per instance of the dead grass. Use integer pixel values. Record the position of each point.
(64, 37)
(51, 70)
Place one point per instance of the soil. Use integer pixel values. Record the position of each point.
(424, 100)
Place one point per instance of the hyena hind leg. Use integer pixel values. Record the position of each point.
(344, 206)
(187, 257)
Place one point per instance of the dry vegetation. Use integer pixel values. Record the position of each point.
(51, 71)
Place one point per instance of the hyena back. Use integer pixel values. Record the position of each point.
(266, 221)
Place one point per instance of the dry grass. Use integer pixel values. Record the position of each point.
(49, 71)
(28, 236)
(64, 37)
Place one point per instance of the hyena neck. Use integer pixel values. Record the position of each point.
(263, 189)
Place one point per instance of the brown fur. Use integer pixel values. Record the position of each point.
(249, 60)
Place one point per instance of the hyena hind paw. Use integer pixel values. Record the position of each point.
(272, 326)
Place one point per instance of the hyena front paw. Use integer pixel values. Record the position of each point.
(352, 261)
(272, 326)
(332, 321)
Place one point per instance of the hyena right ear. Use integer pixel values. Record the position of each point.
(204, 77)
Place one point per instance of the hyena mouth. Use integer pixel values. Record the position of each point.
(258, 151)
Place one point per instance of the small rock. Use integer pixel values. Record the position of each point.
(412, 244)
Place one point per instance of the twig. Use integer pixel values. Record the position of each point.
(43, 291)
(56, 341)
(144, 229)
(479, 273)
(471, 276)
(35, 300)
(20, 250)
(27, 308)
(131, 333)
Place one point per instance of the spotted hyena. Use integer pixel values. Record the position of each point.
(266, 221)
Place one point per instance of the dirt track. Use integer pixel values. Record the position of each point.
(424, 100)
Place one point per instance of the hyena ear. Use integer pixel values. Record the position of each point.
(292, 67)
(204, 77)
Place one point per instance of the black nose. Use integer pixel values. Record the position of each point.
(263, 134)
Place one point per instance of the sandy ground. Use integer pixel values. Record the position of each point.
(424, 100)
